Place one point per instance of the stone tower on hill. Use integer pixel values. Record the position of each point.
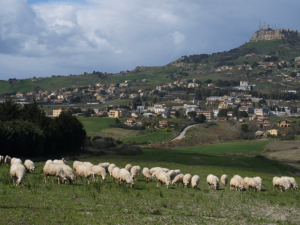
(270, 34)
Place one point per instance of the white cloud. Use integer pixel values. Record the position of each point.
(118, 35)
(178, 38)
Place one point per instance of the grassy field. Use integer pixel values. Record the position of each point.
(282, 118)
(154, 137)
(250, 147)
(110, 203)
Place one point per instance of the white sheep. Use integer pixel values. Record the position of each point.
(135, 171)
(165, 170)
(177, 172)
(162, 178)
(213, 181)
(84, 171)
(224, 179)
(115, 174)
(29, 165)
(104, 165)
(172, 174)
(17, 173)
(60, 161)
(7, 160)
(280, 183)
(195, 181)
(54, 170)
(88, 164)
(252, 183)
(236, 184)
(146, 173)
(75, 164)
(99, 171)
(48, 161)
(258, 180)
(178, 179)
(294, 184)
(68, 172)
(15, 160)
(1, 159)
(187, 179)
(128, 167)
(110, 168)
(125, 177)
(239, 178)
(152, 170)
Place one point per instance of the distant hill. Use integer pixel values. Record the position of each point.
(281, 44)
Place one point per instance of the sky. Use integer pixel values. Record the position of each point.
(46, 37)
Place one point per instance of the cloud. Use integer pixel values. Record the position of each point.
(178, 38)
(116, 35)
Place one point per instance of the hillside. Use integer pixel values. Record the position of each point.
(201, 67)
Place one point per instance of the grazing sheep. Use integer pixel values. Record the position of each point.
(195, 181)
(165, 170)
(224, 179)
(68, 172)
(17, 172)
(187, 179)
(235, 184)
(241, 180)
(178, 179)
(125, 177)
(177, 172)
(88, 164)
(29, 165)
(1, 159)
(163, 178)
(258, 180)
(172, 174)
(75, 164)
(110, 168)
(135, 171)
(252, 183)
(60, 161)
(15, 160)
(85, 171)
(54, 170)
(115, 173)
(7, 160)
(128, 167)
(99, 171)
(48, 161)
(280, 183)
(213, 181)
(152, 170)
(294, 184)
(146, 173)
(104, 165)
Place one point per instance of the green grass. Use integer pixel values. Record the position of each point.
(154, 137)
(97, 124)
(250, 147)
(110, 203)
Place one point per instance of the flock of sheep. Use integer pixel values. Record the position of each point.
(127, 175)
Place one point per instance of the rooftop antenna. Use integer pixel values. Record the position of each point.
(268, 26)
(259, 25)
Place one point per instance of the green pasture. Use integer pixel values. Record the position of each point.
(96, 124)
(250, 147)
(154, 137)
(112, 203)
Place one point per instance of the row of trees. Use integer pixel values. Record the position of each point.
(26, 131)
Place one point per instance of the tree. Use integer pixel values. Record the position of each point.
(117, 121)
(293, 74)
(201, 118)
(242, 114)
(177, 114)
(254, 64)
(9, 111)
(244, 127)
(192, 114)
(222, 113)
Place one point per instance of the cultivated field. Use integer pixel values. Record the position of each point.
(110, 203)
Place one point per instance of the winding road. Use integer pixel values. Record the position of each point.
(181, 135)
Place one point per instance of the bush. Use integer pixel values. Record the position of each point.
(124, 126)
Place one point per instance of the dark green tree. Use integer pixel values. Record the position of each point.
(201, 118)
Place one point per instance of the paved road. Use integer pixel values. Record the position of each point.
(181, 135)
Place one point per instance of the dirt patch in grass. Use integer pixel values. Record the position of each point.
(282, 146)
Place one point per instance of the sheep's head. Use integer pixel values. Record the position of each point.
(132, 185)
(64, 181)
(19, 181)
(32, 169)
